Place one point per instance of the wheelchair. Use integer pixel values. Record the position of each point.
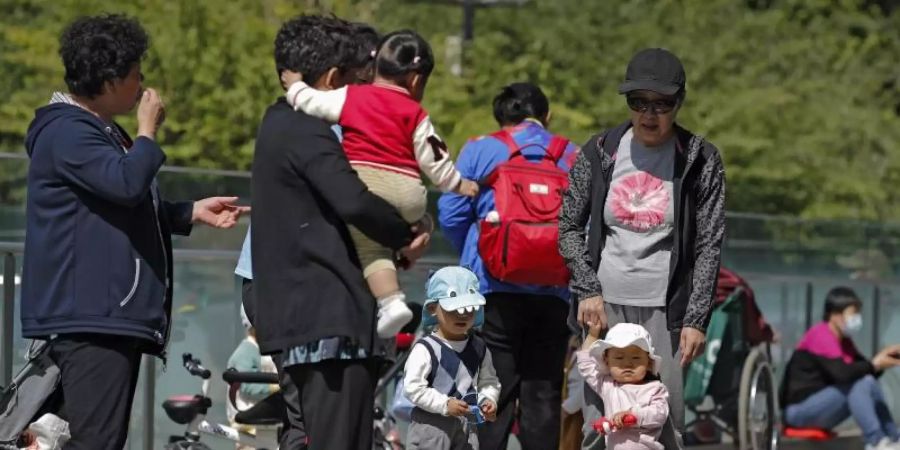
(733, 386)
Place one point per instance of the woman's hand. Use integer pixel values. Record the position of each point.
(887, 358)
(151, 113)
(591, 313)
(218, 212)
(692, 343)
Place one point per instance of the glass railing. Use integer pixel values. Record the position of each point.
(789, 263)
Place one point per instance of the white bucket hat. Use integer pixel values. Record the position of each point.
(621, 336)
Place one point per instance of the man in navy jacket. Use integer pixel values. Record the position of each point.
(97, 274)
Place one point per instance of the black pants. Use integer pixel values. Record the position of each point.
(527, 336)
(98, 376)
(337, 398)
(293, 435)
(247, 299)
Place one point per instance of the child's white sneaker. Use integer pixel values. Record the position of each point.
(393, 314)
(884, 444)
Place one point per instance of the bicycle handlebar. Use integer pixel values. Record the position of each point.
(233, 376)
(195, 367)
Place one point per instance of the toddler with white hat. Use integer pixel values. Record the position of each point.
(622, 368)
(449, 375)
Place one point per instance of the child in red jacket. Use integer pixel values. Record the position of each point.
(389, 140)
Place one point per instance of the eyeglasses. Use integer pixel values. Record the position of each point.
(659, 106)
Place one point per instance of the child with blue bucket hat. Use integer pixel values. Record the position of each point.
(449, 376)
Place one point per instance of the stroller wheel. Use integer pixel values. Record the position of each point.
(758, 421)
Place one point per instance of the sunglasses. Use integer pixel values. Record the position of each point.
(659, 106)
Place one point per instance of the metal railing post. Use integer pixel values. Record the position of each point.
(149, 401)
(7, 316)
(876, 313)
(809, 306)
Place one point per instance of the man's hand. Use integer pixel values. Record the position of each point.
(489, 409)
(457, 407)
(218, 212)
(417, 248)
(289, 77)
(425, 224)
(692, 343)
(591, 313)
(151, 113)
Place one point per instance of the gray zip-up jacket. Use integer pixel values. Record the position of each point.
(699, 190)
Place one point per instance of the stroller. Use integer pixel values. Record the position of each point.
(732, 386)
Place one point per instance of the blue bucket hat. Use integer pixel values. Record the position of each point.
(453, 288)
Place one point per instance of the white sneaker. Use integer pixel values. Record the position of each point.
(884, 444)
(393, 314)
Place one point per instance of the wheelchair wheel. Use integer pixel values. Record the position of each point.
(758, 422)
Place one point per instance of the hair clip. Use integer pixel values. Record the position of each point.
(416, 60)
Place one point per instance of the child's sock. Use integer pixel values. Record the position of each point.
(393, 314)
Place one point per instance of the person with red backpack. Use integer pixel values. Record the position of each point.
(507, 235)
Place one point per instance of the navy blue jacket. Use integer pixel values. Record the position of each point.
(98, 250)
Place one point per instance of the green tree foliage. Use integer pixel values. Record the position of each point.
(801, 96)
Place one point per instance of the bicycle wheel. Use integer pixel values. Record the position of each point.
(758, 415)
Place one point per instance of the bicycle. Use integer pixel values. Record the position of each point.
(191, 410)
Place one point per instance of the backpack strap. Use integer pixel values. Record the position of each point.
(556, 148)
(506, 137)
(554, 151)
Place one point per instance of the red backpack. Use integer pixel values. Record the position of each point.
(521, 247)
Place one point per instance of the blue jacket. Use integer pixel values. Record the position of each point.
(459, 216)
(98, 250)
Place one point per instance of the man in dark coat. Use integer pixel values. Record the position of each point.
(313, 304)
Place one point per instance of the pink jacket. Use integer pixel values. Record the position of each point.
(648, 402)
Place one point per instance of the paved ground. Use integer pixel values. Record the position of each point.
(844, 443)
(848, 442)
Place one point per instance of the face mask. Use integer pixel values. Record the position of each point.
(852, 324)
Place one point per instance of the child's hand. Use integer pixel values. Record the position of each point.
(468, 188)
(489, 409)
(623, 419)
(594, 332)
(457, 407)
(603, 426)
(289, 77)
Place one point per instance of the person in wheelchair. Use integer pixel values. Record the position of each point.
(827, 380)
(247, 358)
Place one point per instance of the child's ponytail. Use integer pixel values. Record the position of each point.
(403, 52)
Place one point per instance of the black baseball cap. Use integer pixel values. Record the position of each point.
(654, 69)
